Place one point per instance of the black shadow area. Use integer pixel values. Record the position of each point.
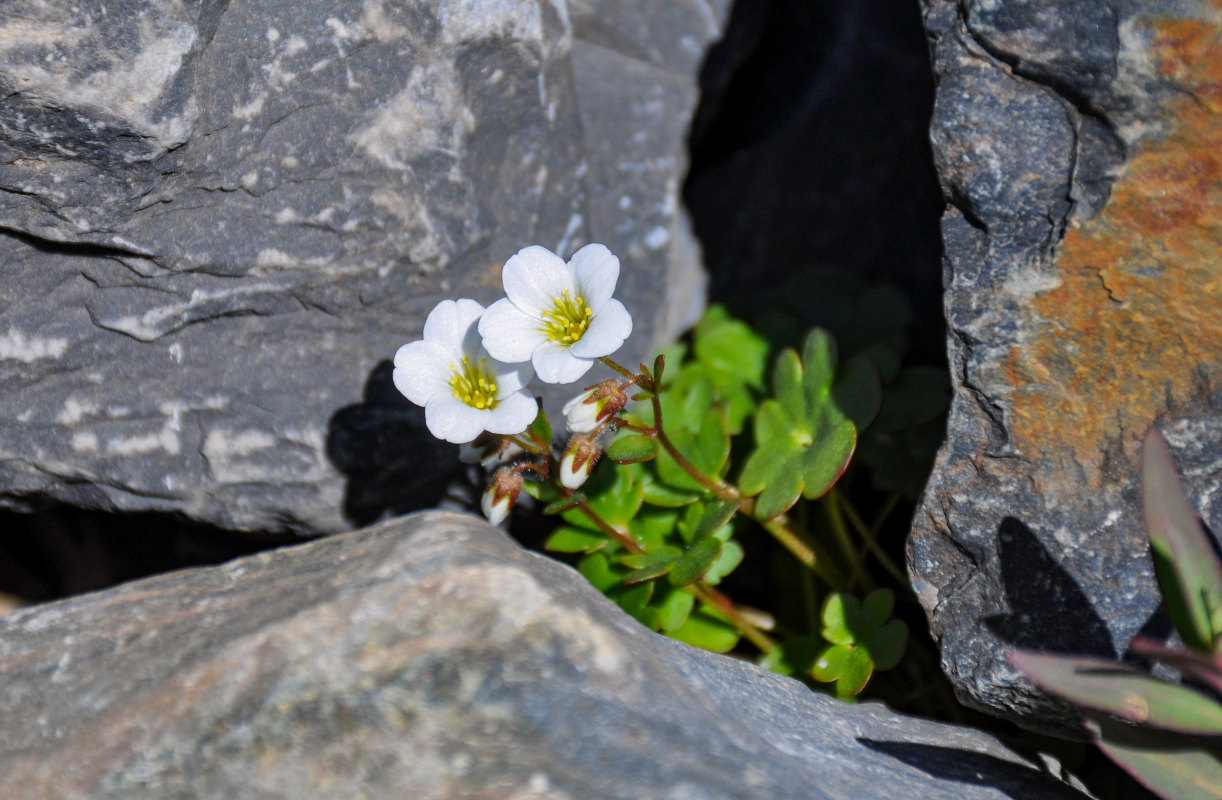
(965, 766)
(392, 463)
(1048, 611)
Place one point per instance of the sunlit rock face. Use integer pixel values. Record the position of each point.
(1077, 143)
(428, 657)
(218, 221)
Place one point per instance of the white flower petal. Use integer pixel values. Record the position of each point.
(513, 414)
(608, 330)
(555, 364)
(534, 277)
(422, 370)
(511, 378)
(451, 419)
(596, 270)
(509, 334)
(449, 321)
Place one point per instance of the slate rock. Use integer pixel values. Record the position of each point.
(219, 220)
(1077, 142)
(431, 656)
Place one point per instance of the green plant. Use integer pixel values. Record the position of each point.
(1167, 735)
(728, 433)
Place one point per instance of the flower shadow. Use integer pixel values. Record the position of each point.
(392, 463)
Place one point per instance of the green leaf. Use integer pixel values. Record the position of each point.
(887, 644)
(601, 572)
(730, 347)
(840, 613)
(632, 448)
(541, 429)
(828, 456)
(635, 600)
(875, 609)
(783, 485)
(818, 366)
(694, 563)
(794, 656)
(673, 607)
(652, 527)
(849, 667)
(803, 441)
(1175, 772)
(707, 449)
(858, 391)
(830, 663)
(1120, 690)
(614, 492)
(568, 539)
(787, 384)
(563, 503)
(855, 674)
(731, 556)
(715, 516)
(708, 628)
(1188, 568)
(647, 566)
(657, 493)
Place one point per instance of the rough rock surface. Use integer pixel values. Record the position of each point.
(432, 657)
(1078, 142)
(219, 219)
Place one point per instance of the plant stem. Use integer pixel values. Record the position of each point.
(721, 489)
(830, 505)
(623, 537)
(870, 535)
(630, 375)
(803, 548)
(710, 596)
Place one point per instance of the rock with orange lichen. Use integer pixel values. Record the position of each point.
(1079, 143)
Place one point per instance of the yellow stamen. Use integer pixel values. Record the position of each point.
(568, 321)
(473, 384)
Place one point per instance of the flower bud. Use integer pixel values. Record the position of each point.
(488, 450)
(500, 495)
(578, 461)
(585, 412)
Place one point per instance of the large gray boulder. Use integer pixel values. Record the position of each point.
(1077, 142)
(218, 220)
(430, 657)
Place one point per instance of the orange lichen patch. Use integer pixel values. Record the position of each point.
(1135, 328)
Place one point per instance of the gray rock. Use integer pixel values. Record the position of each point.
(430, 656)
(218, 220)
(1076, 145)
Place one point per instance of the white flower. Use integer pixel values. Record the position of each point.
(463, 390)
(558, 316)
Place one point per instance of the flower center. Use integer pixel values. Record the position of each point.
(473, 383)
(567, 321)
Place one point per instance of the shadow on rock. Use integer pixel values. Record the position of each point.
(980, 769)
(393, 464)
(1048, 611)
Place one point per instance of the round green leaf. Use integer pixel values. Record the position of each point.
(858, 392)
(709, 629)
(887, 644)
(569, 539)
(674, 607)
(731, 556)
